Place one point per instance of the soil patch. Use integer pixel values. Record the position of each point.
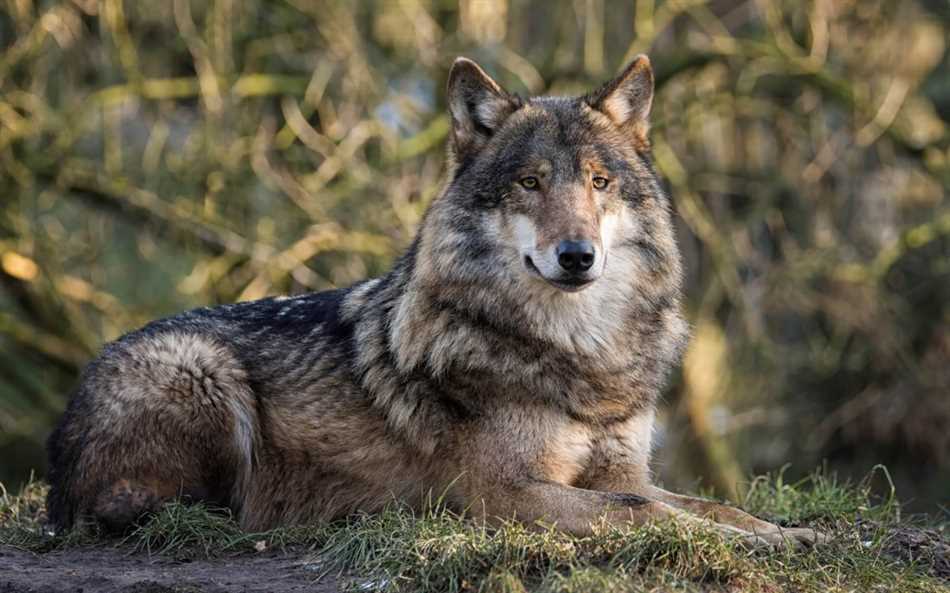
(925, 547)
(112, 570)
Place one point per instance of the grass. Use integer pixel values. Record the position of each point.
(873, 549)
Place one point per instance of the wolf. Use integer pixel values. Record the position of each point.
(511, 360)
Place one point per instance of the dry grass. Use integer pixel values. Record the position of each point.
(872, 549)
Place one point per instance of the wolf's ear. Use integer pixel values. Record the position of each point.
(627, 99)
(478, 106)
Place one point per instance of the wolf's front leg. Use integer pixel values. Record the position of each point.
(729, 515)
(576, 510)
(523, 463)
(620, 463)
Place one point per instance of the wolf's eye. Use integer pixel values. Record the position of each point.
(600, 182)
(529, 182)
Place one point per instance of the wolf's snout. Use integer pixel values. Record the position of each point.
(575, 256)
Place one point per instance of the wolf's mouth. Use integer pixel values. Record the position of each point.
(565, 284)
(531, 267)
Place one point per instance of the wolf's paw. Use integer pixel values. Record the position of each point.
(806, 535)
(747, 539)
(794, 537)
(754, 542)
(777, 538)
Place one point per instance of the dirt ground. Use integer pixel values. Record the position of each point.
(926, 547)
(110, 570)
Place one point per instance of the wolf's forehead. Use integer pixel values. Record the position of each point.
(567, 116)
(561, 130)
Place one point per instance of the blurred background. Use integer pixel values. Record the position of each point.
(158, 156)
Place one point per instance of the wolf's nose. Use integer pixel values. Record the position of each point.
(575, 256)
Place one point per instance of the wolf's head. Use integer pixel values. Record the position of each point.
(554, 187)
(552, 224)
(552, 218)
(560, 168)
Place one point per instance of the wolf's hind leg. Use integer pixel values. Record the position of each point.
(166, 416)
(125, 501)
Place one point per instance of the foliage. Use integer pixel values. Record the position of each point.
(156, 156)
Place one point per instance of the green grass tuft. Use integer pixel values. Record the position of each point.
(437, 550)
(821, 498)
(189, 531)
(182, 530)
